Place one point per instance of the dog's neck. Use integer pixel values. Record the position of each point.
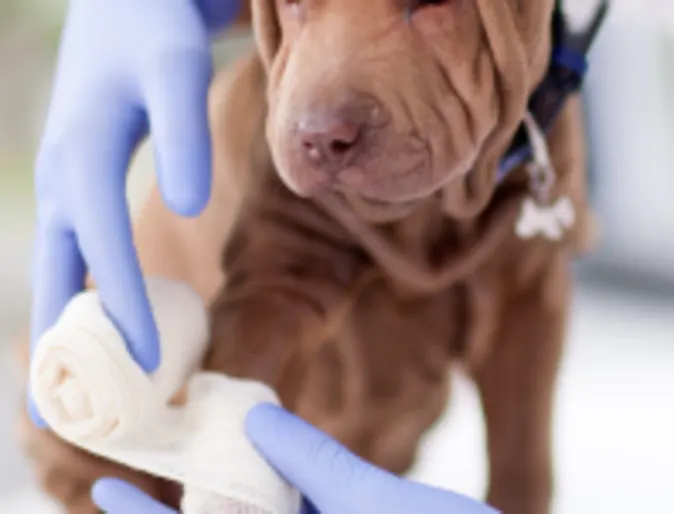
(425, 251)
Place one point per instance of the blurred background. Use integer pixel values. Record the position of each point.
(614, 425)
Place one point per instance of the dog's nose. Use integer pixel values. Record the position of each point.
(330, 140)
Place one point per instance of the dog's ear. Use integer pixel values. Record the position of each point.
(267, 29)
(534, 19)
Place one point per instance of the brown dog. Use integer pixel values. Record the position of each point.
(366, 244)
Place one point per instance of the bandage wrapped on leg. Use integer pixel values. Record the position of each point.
(93, 395)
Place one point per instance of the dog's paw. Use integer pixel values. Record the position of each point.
(67, 473)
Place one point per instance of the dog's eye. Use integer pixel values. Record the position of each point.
(418, 4)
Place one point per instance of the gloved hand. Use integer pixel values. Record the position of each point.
(334, 480)
(125, 68)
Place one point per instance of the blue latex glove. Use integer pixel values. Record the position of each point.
(332, 478)
(126, 68)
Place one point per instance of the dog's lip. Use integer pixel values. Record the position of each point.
(377, 191)
(398, 198)
(310, 187)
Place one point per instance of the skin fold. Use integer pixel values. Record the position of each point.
(356, 247)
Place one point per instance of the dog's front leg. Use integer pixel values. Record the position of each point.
(517, 384)
(269, 336)
(288, 280)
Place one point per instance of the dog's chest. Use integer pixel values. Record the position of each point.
(461, 313)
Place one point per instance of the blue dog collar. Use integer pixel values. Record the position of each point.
(565, 75)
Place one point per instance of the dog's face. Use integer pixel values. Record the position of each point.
(392, 99)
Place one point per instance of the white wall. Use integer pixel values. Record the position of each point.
(631, 120)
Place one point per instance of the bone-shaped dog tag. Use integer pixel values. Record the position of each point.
(548, 221)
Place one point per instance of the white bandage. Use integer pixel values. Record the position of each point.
(92, 394)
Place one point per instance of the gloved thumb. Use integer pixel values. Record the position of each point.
(177, 100)
(217, 14)
(335, 480)
(322, 469)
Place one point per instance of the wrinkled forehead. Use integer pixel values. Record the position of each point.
(523, 8)
(526, 20)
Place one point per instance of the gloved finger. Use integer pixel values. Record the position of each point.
(336, 480)
(96, 180)
(324, 470)
(58, 274)
(308, 507)
(177, 100)
(218, 13)
(115, 496)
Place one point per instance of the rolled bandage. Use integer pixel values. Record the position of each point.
(92, 394)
